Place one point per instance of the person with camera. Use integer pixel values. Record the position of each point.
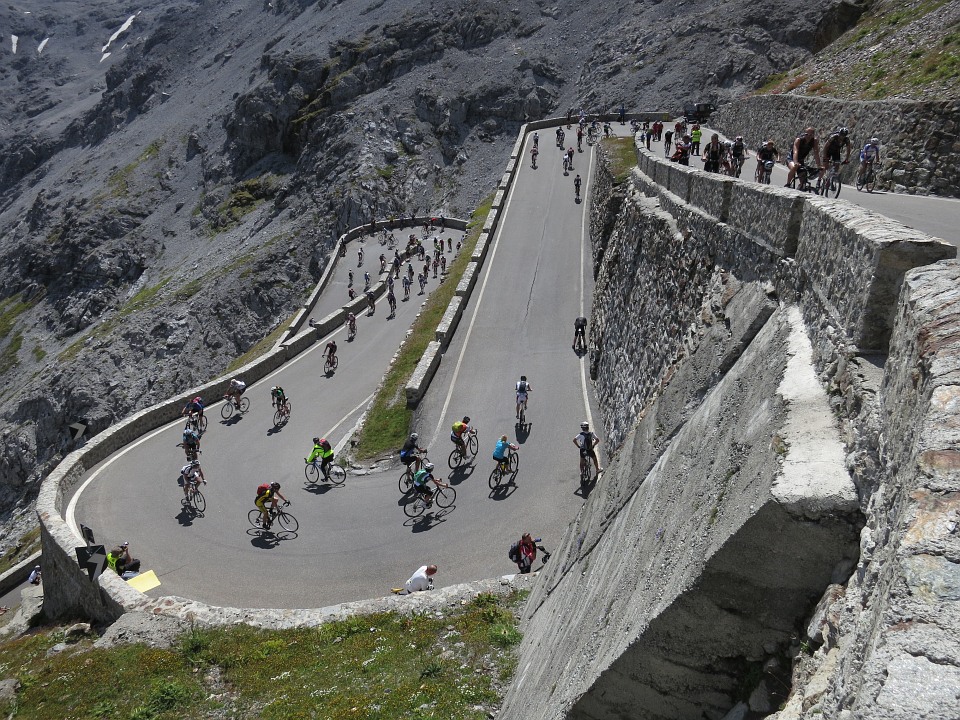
(122, 563)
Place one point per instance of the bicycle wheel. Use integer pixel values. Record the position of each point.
(198, 501)
(278, 418)
(514, 463)
(202, 424)
(523, 415)
(445, 497)
(405, 483)
(415, 507)
(835, 185)
(584, 473)
(287, 521)
(312, 472)
(495, 476)
(473, 445)
(337, 475)
(244, 404)
(455, 459)
(870, 182)
(227, 410)
(254, 516)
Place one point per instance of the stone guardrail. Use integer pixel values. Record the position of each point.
(421, 377)
(18, 574)
(853, 259)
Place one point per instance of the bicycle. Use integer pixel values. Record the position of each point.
(242, 405)
(507, 466)
(443, 497)
(194, 498)
(522, 420)
(351, 332)
(801, 181)
(737, 165)
(285, 520)
(580, 342)
(830, 182)
(764, 172)
(584, 471)
(282, 415)
(331, 364)
(405, 483)
(335, 474)
(868, 178)
(198, 422)
(470, 447)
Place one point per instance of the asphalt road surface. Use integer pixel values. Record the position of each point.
(355, 541)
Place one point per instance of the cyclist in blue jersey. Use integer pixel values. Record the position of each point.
(869, 155)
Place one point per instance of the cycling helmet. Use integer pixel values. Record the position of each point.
(428, 466)
(414, 437)
(466, 418)
(198, 399)
(584, 426)
(195, 463)
(874, 141)
(843, 131)
(275, 485)
(316, 441)
(738, 138)
(273, 389)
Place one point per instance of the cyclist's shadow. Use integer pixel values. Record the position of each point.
(459, 474)
(232, 420)
(267, 539)
(522, 431)
(275, 429)
(584, 489)
(317, 488)
(429, 519)
(186, 515)
(504, 490)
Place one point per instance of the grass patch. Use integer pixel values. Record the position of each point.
(771, 83)
(27, 545)
(386, 665)
(621, 157)
(119, 181)
(388, 421)
(144, 299)
(8, 357)
(243, 199)
(261, 347)
(38, 353)
(386, 172)
(10, 309)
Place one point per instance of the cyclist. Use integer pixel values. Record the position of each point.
(409, 452)
(277, 397)
(576, 185)
(458, 431)
(351, 324)
(268, 494)
(714, 153)
(559, 137)
(237, 386)
(195, 406)
(533, 155)
(191, 474)
(501, 452)
(580, 332)
(406, 287)
(766, 152)
(422, 477)
(523, 389)
(869, 155)
(322, 450)
(392, 302)
(331, 351)
(738, 154)
(803, 145)
(587, 442)
(536, 139)
(837, 142)
(191, 441)
(667, 141)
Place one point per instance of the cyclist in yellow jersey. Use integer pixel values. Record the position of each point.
(460, 429)
(269, 495)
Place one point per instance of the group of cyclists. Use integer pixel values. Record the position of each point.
(805, 154)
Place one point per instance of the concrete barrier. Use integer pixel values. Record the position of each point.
(467, 280)
(768, 215)
(448, 323)
(18, 574)
(422, 375)
(480, 249)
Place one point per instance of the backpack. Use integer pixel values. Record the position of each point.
(521, 387)
(262, 489)
(514, 552)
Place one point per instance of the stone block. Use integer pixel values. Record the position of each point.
(499, 199)
(711, 193)
(855, 261)
(505, 180)
(480, 249)
(300, 342)
(680, 176)
(448, 323)
(468, 280)
(422, 375)
(768, 215)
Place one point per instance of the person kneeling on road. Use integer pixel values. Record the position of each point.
(421, 580)
(120, 561)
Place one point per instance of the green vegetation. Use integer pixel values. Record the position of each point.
(27, 545)
(243, 199)
(388, 421)
(119, 182)
(386, 172)
(10, 310)
(621, 157)
(38, 353)
(8, 357)
(377, 666)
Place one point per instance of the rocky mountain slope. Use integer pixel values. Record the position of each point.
(173, 174)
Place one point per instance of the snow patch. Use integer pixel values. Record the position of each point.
(118, 33)
(13, 43)
(105, 56)
(42, 45)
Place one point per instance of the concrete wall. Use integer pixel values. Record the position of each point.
(920, 150)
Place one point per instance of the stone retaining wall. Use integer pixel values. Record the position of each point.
(920, 140)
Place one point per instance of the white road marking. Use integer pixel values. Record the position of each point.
(476, 310)
(344, 419)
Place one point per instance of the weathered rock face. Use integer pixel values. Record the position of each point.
(919, 139)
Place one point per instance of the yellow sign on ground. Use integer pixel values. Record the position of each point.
(144, 581)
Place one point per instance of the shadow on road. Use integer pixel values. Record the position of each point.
(504, 490)
(268, 539)
(318, 488)
(187, 514)
(430, 519)
(459, 474)
(522, 431)
(275, 429)
(232, 420)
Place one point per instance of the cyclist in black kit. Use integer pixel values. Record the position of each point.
(576, 186)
